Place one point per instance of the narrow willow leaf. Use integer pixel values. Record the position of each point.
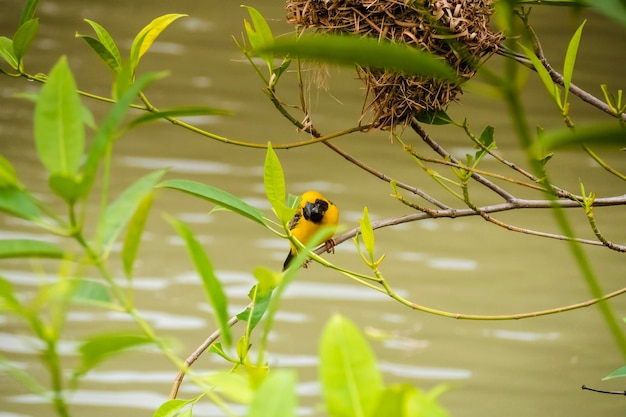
(618, 373)
(232, 385)
(66, 186)
(92, 293)
(108, 128)
(543, 73)
(276, 396)
(570, 59)
(437, 117)
(19, 203)
(349, 375)
(605, 134)
(420, 403)
(9, 301)
(212, 286)
(260, 295)
(23, 38)
(274, 181)
(123, 80)
(8, 177)
(367, 233)
(134, 233)
(120, 211)
(262, 30)
(98, 348)
(365, 52)
(146, 37)
(217, 196)
(6, 51)
(393, 401)
(102, 51)
(59, 129)
(178, 113)
(109, 44)
(27, 248)
(253, 315)
(485, 139)
(172, 408)
(613, 9)
(29, 10)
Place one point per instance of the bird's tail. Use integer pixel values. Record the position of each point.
(290, 256)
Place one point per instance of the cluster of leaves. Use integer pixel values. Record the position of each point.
(351, 383)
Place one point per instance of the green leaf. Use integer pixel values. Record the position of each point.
(66, 186)
(570, 60)
(618, 373)
(6, 52)
(104, 54)
(232, 385)
(91, 292)
(171, 408)
(98, 348)
(274, 181)
(146, 37)
(212, 286)
(349, 375)
(29, 11)
(543, 73)
(119, 212)
(365, 52)
(23, 38)
(419, 403)
(393, 401)
(605, 134)
(107, 49)
(437, 117)
(261, 33)
(27, 248)
(253, 315)
(9, 301)
(134, 233)
(276, 396)
(217, 196)
(485, 139)
(178, 112)
(261, 295)
(8, 177)
(613, 9)
(108, 128)
(19, 203)
(59, 129)
(367, 233)
(123, 80)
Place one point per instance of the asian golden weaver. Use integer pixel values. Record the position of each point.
(314, 212)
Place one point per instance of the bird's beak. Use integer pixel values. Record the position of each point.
(309, 209)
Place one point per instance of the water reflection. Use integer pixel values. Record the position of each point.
(520, 335)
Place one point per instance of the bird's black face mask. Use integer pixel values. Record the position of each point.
(315, 211)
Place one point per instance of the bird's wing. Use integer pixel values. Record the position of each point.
(295, 219)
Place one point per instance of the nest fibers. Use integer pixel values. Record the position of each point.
(456, 30)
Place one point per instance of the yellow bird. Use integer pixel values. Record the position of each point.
(313, 213)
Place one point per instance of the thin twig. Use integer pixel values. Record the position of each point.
(512, 205)
(445, 154)
(199, 351)
(584, 387)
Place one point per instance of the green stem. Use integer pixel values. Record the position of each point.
(56, 374)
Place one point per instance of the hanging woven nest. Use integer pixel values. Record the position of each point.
(456, 30)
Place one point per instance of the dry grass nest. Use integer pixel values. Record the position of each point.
(456, 30)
